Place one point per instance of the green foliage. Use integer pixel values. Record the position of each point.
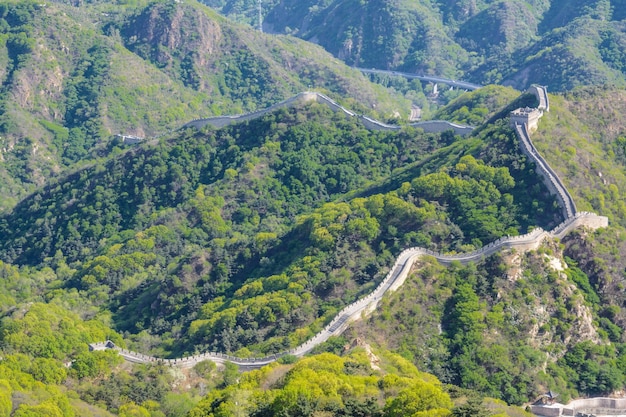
(233, 238)
(320, 384)
(94, 364)
(49, 331)
(82, 106)
(592, 368)
(250, 238)
(469, 326)
(205, 369)
(560, 44)
(582, 280)
(140, 386)
(72, 78)
(420, 399)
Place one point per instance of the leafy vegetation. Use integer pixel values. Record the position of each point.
(246, 239)
(143, 69)
(343, 386)
(562, 44)
(182, 237)
(494, 335)
(250, 238)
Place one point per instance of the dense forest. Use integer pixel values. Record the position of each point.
(246, 239)
(249, 239)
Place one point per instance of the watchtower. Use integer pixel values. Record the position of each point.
(527, 115)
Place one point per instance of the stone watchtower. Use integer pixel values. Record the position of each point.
(527, 115)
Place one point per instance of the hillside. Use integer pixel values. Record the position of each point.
(590, 151)
(355, 384)
(520, 324)
(560, 43)
(217, 206)
(73, 76)
(248, 239)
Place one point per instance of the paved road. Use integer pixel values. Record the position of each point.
(460, 84)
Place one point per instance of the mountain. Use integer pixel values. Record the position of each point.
(76, 74)
(227, 202)
(552, 319)
(560, 43)
(247, 239)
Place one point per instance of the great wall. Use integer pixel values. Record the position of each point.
(432, 126)
(400, 270)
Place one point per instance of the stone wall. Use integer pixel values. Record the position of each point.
(541, 92)
(527, 116)
(432, 126)
(393, 281)
(551, 179)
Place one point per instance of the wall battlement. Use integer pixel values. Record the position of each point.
(527, 115)
(404, 262)
(591, 406)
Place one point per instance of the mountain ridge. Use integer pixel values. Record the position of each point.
(63, 100)
(404, 262)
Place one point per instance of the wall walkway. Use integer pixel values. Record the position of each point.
(431, 126)
(400, 270)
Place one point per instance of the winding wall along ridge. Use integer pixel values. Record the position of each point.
(400, 270)
(431, 126)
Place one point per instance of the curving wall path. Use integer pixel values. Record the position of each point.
(400, 270)
(431, 126)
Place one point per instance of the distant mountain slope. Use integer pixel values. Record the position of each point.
(560, 43)
(72, 76)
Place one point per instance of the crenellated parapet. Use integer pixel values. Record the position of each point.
(523, 120)
(584, 406)
(404, 262)
(526, 115)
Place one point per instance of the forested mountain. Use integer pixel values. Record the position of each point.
(248, 239)
(560, 43)
(556, 314)
(75, 74)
